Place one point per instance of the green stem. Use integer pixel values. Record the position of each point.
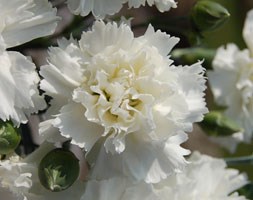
(240, 160)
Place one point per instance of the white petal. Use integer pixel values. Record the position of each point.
(99, 8)
(192, 82)
(18, 88)
(105, 190)
(104, 36)
(111, 189)
(25, 20)
(163, 42)
(62, 75)
(48, 132)
(248, 30)
(149, 161)
(73, 124)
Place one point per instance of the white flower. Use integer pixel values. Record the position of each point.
(231, 80)
(101, 8)
(19, 178)
(124, 89)
(18, 88)
(16, 176)
(20, 22)
(25, 20)
(204, 178)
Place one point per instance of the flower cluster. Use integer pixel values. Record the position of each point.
(115, 102)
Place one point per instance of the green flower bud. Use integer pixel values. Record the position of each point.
(216, 124)
(58, 170)
(9, 137)
(208, 15)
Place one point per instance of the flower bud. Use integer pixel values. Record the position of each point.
(9, 138)
(58, 170)
(216, 124)
(208, 15)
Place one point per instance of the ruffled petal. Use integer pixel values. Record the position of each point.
(18, 88)
(25, 20)
(149, 161)
(73, 124)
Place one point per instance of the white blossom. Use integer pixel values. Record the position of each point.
(204, 178)
(25, 20)
(231, 80)
(18, 88)
(101, 8)
(125, 90)
(16, 176)
(20, 22)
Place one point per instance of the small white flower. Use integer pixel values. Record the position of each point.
(101, 8)
(204, 178)
(19, 178)
(20, 22)
(231, 80)
(124, 89)
(16, 176)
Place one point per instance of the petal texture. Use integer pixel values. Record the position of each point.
(18, 88)
(24, 20)
(101, 8)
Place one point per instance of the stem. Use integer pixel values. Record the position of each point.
(240, 160)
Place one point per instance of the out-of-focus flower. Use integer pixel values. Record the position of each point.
(231, 80)
(204, 178)
(24, 20)
(109, 7)
(20, 22)
(16, 176)
(125, 90)
(19, 178)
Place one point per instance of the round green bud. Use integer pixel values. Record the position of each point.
(208, 15)
(9, 137)
(58, 170)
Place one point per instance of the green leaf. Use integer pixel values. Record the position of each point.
(247, 191)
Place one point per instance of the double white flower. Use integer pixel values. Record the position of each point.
(231, 80)
(20, 22)
(125, 90)
(101, 8)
